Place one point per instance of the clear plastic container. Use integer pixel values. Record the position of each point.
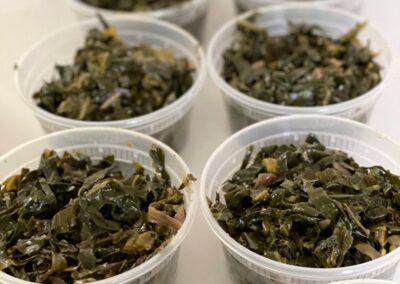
(366, 281)
(349, 5)
(245, 110)
(189, 15)
(126, 146)
(168, 124)
(367, 146)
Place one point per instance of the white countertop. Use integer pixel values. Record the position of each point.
(23, 22)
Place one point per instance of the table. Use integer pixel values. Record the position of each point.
(23, 22)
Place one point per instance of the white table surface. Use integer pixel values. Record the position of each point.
(23, 22)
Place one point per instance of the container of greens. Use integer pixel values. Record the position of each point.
(299, 59)
(353, 5)
(129, 72)
(189, 14)
(305, 199)
(99, 205)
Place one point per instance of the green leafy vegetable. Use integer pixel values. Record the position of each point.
(303, 68)
(74, 220)
(134, 5)
(310, 206)
(111, 80)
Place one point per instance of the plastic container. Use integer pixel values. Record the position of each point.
(126, 146)
(349, 5)
(366, 281)
(189, 15)
(361, 142)
(245, 110)
(168, 124)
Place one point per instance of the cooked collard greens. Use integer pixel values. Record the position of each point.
(111, 80)
(134, 5)
(77, 220)
(311, 206)
(304, 68)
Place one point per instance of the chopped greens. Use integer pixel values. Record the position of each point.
(110, 80)
(76, 220)
(311, 206)
(134, 5)
(304, 68)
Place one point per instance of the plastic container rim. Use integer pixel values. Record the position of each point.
(159, 13)
(138, 121)
(261, 261)
(171, 247)
(280, 109)
(312, 2)
(365, 281)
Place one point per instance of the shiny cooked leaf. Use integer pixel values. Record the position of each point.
(310, 206)
(133, 5)
(76, 220)
(306, 67)
(111, 80)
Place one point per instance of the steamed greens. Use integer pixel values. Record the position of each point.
(111, 80)
(310, 206)
(75, 220)
(304, 68)
(134, 5)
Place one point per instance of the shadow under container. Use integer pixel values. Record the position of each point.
(367, 146)
(349, 5)
(190, 15)
(126, 146)
(244, 110)
(169, 124)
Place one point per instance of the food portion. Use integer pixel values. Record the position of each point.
(111, 80)
(134, 5)
(304, 68)
(310, 206)
(77, 220)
